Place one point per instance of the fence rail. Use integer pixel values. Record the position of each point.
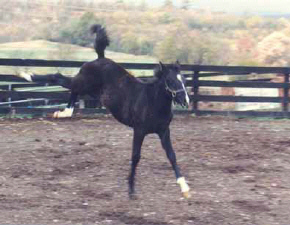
(198, 76)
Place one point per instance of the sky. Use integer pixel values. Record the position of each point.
(241, 6)
(231, 6)
(236, 6)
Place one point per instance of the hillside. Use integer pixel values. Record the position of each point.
(41, 49)
(191, 31)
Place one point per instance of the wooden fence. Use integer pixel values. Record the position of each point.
(30, 102)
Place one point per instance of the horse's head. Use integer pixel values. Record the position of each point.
(174, 82)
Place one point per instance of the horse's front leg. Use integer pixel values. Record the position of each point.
(136, 155)
(167, 146)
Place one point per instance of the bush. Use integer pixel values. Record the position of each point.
(77, 32)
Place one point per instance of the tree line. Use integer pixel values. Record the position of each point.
(167, 32)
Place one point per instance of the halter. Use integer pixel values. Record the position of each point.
(173, 92)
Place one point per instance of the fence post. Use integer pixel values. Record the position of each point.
(195, 92)
(10, 89)
(285, 101)
(46, 101)
(82, 104)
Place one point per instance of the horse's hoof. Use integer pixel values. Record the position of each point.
(25, 76)
(184, 187)
(133, 196)
(66, 113)
(186, 195)
(55, 114)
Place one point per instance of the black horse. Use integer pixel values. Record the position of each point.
(144, 106)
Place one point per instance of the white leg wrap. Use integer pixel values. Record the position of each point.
(25, 76)
(67, 112)
(184, 187)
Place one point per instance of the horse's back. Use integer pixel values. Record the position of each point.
(94, 74)
(131, 101)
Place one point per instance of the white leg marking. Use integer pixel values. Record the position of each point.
(67, 112)
(184, 187)
(25, 76)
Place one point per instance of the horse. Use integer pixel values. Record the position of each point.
(146, 107)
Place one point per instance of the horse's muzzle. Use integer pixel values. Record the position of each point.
(181, 99)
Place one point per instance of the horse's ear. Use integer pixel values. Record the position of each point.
(177, 64)
(160, 70)
(161, 67)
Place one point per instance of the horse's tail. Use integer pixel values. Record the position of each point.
(101, 40)
(54, 79)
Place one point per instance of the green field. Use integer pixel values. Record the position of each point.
(41, 49)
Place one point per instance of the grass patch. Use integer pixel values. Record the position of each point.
(41, 49)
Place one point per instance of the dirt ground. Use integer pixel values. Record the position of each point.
(74, 171)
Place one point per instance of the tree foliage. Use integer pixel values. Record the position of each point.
(76, 32)
(168, 32)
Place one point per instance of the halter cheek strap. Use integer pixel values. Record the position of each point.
(173, 92)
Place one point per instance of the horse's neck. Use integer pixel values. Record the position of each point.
(163, 99)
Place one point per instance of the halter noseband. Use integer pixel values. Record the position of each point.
(173, 92)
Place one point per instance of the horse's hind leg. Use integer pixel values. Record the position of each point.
(68, 111)
(166, 144)
(56, 79)
(136, 155)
